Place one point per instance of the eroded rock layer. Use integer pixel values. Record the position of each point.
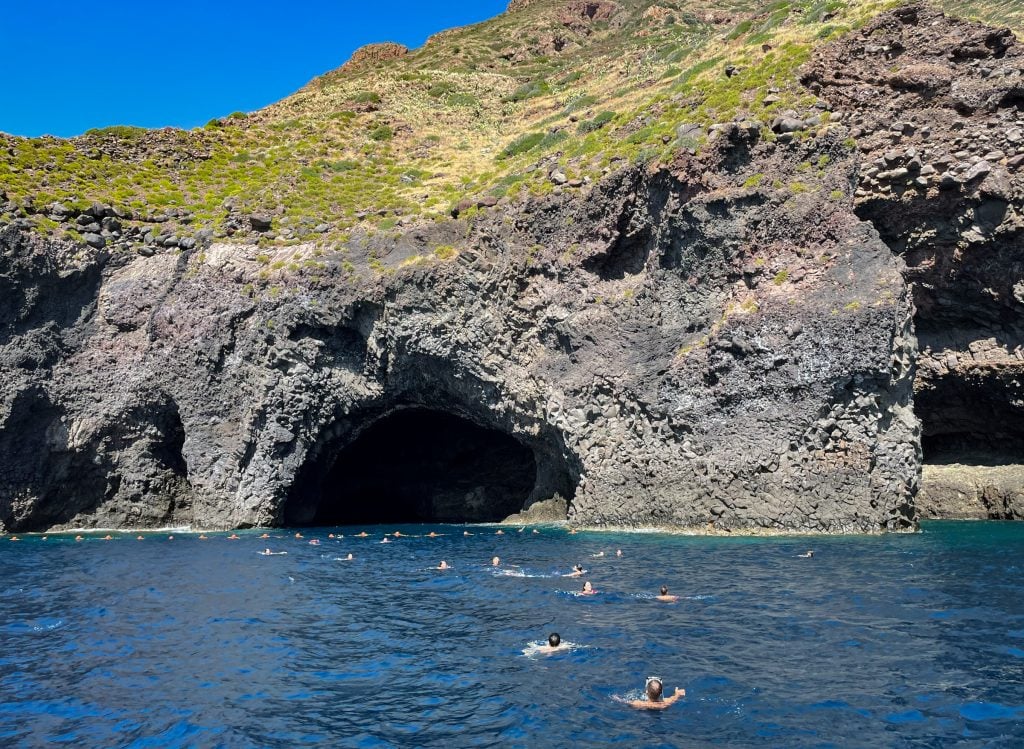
(937, 107)
(703, 344)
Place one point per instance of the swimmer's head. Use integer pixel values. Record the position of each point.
(664, 590)
(578, 567)
(554, 640)
(587, 587)
(495, 562)
(653, 688)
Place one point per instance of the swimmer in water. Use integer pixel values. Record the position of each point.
(349, 558)
(466, 533)
(78, 538)
(14, 538)
(139, 538)
(654, 699)
(499, 532)
(495, 562)
(265, 535)
(202, 537)
(170, 538)
(808, 555)
(232, 537)
(298, 535)
(577, 571)
(397, 534)
(664, 595)
(598, 555)
(554, 644)
(108, 537)
(618, 552)
(434, 535)
(269, 553)
(443, 565)
(588, 589)
(364, 534)
(536, 531)
(385, 540)
(314, 542)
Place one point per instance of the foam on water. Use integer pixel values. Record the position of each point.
(876, 641)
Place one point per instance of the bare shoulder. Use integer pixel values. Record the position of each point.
(648, 705)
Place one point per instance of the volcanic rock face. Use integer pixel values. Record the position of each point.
(938, 110)
(702, 344)
(372, 54)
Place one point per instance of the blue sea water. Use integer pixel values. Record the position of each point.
(894, 641)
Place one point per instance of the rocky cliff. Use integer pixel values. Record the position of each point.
(674, 345)
(937, 108)
(716, 331)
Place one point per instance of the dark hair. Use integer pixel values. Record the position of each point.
(664, 590)
(554, 639)
(654, 689)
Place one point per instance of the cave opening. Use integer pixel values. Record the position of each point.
(416, 465)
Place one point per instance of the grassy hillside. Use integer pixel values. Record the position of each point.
(477, 114)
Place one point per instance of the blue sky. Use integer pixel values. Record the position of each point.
(70, 66)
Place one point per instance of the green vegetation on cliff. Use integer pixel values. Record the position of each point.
(551, 93)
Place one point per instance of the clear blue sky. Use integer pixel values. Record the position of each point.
(71, 65)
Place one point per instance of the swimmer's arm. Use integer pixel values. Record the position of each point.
(680, 693)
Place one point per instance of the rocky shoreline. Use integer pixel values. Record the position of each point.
(727, 342)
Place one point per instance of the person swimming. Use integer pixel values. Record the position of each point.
(265, 535)
(598, 555)
(139, 538)
(443, 566)
(298, 535)
(385, 540)
(466, 533)
(78, 538)
(499, 532)
(434, 535)
(808, 555)
(14, 538)
(314, 542)
(202, 537)
(233, 537)
(618, 552)
(363, 534)
(495, 562)
(108, 537)
(577, 571)
(654, 699)
(269, 553)
(554, 644)
(665, 596)
(588, 589)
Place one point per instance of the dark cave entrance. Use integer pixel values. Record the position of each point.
(417, 465)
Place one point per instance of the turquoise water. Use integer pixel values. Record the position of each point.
(893, 641)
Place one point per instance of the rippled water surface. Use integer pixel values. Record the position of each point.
(891, 641)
